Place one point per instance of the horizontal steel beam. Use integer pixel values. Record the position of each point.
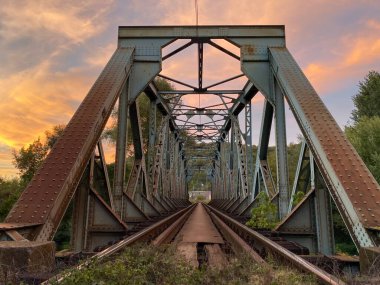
(185, 92)
(201, 32)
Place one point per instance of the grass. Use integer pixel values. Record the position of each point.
(145, 264)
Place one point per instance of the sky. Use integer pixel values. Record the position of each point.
(52, 51)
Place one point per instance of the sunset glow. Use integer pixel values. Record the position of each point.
(52, 52)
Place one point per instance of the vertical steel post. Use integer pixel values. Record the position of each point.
(152, 141)
(297, 174)
(248, 142)
(231, 187)
(262, 150)
(281, 151)
(323, 218)
(121, 145)
(80, 213)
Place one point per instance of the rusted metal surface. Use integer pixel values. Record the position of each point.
(13, 226)
(15, 235)
(237, 243)
(199, 228)
(47, 196)
(345, 169)
(216, 258)
(167, 235)
(144, 235)
(269, 245)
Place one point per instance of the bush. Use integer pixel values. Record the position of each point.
(145, 264)
(200, 198)
(263, 216)
(10, 190)
(297, 198)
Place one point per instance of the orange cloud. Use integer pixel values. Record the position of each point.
(358, 54)
(73, 20)
(52, 50)
(35, 94)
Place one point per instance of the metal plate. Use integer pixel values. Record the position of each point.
(345, 169)
(47, 196)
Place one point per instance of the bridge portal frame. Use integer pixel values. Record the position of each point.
(271, 70)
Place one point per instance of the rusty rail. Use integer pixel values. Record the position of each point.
(286, 255)
(147, 234)
(233, 231)
(238, 245)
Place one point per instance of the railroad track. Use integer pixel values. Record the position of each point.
(201, 234)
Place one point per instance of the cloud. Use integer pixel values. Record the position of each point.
(75, 21)
(359, 52)
(39, 87)
(52, 51)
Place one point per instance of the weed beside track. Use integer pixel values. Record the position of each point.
(146, 264)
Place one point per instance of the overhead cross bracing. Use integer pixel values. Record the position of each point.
(183, 133)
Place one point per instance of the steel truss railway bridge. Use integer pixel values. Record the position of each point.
(329, 170)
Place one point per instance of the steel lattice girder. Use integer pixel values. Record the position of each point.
(270, 69)
(351, 185)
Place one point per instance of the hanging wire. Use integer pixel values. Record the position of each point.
(196, 12)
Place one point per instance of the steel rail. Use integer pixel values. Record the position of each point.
(238, 245)
(146, 234)
(277, 250)
(167, 235)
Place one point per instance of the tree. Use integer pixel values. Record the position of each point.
(367, 101)
(53, 135)
(143, 103)
(264, 216)
(28, 159)
(364, 133)
(144, 107)
(10, 190)
(365, 137)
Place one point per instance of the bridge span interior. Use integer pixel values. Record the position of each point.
(199, 127)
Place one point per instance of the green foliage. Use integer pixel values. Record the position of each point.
(297, 198)
(143, 103)
(28, 159)
(264, 215)
(53, 135)
(293, 151)
(293, 155)
(365, 137)
(110, 133)
(343, 241)
(367, 101)
(346, 248)
(200, 198)
(145, 264)
(364, 133)
(10, 190)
